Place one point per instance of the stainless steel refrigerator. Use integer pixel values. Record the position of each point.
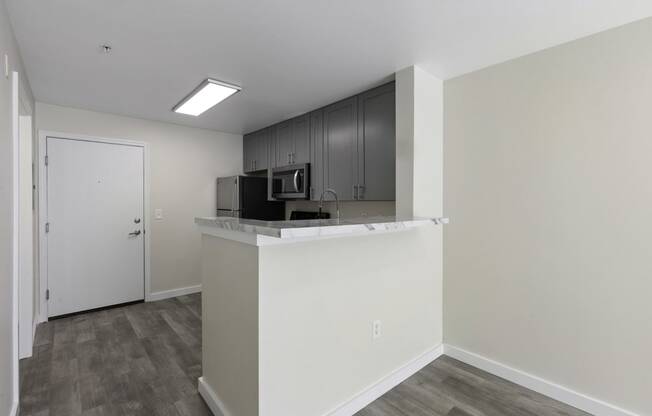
(246, 197)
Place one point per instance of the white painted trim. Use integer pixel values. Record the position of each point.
(42, 219)
(26, 318)
(173, 293)
(34, 330)
(14, 409)
(382, 386)
(43, 208)
(563, 394)
(15, 102)
(210, 397)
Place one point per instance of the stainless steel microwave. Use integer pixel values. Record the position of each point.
(291, 182)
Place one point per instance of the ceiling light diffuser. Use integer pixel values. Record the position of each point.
(205, 96)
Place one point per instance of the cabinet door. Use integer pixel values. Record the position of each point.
(248, 152)
(377, 144)
(271, 139)
(262, 150)
(316, 154)
(341, 152)
(301, 139)
(284, 146)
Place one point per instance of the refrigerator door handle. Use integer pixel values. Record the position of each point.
(235, 189)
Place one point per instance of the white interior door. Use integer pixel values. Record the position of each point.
(95, 242)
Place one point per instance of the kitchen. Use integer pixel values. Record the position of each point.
(348, 147)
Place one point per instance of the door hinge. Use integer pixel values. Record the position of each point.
(47, 160)
(47, 294)
(47, 227)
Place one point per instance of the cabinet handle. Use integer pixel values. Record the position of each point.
(361, 191)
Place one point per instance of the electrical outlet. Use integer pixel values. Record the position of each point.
(158, 213)
(377, 329)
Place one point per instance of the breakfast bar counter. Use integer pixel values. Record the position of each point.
(290, 306)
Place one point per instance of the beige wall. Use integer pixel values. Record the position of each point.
(548, 181)
(184, 164)
(8, 46)
(419, 143)
(311, 322)
(316, 316)
(230, 323)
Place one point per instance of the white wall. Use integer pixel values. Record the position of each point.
(292, 333)
(548, 181)
(7, 46)
(184, 164)
(419, 143)
(316, 317)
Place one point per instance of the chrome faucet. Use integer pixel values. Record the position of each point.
(337, 201)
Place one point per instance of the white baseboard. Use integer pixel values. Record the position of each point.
(373, 392)
(210, 397)
(173, 293)
(34, 325)
(565, 395)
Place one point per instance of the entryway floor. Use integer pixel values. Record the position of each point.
(145, 359)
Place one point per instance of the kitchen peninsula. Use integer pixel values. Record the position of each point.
(290, 306)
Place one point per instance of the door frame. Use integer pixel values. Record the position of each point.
(43, 208)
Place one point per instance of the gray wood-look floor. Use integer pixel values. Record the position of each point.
(447, 387)
(145, 359)
(141, 359)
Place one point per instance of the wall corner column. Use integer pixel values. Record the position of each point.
(419, 143)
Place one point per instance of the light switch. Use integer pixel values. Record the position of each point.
(158, 213)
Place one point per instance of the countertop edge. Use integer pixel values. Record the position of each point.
(260, 233)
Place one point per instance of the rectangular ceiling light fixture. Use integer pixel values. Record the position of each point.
(205, 96)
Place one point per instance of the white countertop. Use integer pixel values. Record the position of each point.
(266, 232)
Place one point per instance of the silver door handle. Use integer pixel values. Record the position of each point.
(135, 233)
(296, 180)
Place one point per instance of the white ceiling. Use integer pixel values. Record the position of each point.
(290, 56)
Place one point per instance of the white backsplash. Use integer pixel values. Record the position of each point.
(348, 209)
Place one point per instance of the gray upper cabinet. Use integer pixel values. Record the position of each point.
(284, 144)
(341, 148)
(262, 150)
(350, 145)
(301, 139)
(293, 141)
(316, 154)
(377, 144)
(256, 151)
(248, 152)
